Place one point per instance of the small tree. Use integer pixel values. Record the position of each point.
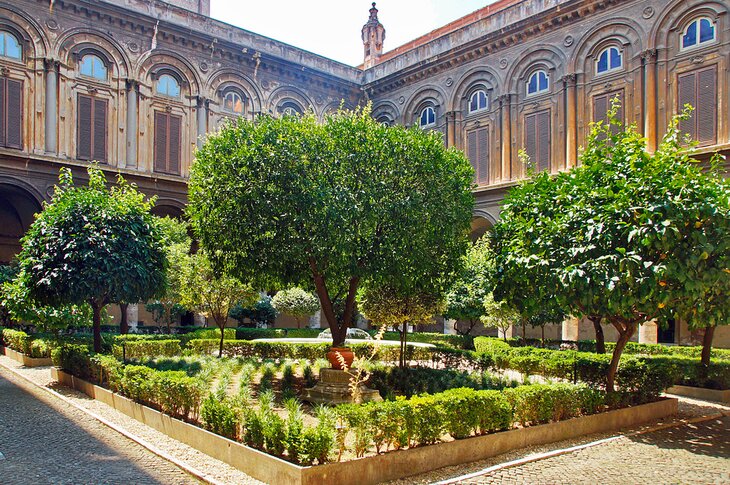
(332, 205)
(465, 298)
(261, 313)
(93, 244)
(212, 294)
(499, 315)
(7, 274)
(628, 236)
(387, 306)
(295, 302)
(167, 308)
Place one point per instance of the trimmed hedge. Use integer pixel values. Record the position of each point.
(643, 376)
(172, 392)
(140, 349)
(30, 345)
(463, 412)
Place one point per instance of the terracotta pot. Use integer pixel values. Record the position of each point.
(346, 354)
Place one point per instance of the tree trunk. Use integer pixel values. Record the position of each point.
(523, 332)
(600, 339)
(299, 325)
(625, 332)
(222, 329)
(707, 346)
(542, 330)
(168, 319)
(96, 321)
(403, 346)
(124, 321)
(339, 330)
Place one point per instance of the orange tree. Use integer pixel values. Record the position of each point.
(93, 244)
(628, 236)
(330, 206)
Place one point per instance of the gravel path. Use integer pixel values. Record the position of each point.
(213, 469)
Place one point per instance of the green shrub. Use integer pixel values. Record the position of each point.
(74, 359)
(140, 349)
(17, 340)
(220, 417)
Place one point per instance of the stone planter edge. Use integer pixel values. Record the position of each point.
(25, 360)
(702, 393)
(372, 469)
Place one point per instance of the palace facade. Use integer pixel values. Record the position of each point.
(136, 84)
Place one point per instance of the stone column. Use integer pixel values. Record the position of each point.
(51, 111)
(450, 129)
(132, 131)
(571, 329)
(199, 320)
(571, 145)
(133, 316)
(650, 99)
(202, 119)
(648, 333)
(449, 326)
(314, 321)
(506, 107)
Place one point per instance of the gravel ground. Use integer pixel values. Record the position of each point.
(219, 471)
(212, 468)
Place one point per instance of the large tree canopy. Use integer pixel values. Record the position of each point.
(628, 236)
(93, 244)
(290, 201)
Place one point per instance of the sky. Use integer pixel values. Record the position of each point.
(331, 28)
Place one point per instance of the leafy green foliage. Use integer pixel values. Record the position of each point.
(628, 236)
(261, 313)
(295, 302)
(499, 315)
(337, 204)
(93, 244)
(466, 296)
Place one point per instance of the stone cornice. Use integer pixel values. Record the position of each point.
(391, 74)
(216, 40)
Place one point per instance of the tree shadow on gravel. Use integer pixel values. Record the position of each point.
(710, 438)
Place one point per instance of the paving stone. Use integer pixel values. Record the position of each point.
(45, 441)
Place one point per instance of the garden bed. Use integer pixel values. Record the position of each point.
(24, 359)
(378, 468)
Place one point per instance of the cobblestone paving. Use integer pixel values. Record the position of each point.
(44, 441)
(689, 454)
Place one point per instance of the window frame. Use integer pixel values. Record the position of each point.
(698, 43)
(92, 76)
(423, 112)
(609, 68)
(476, 92)
(233, 92)
(166, 95)
(539, 91)
(5, 34)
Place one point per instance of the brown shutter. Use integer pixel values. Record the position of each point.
(531, 138)
(686, 94)
(482, 136)
(14, 114)
(84, 128)
(600, 108)
(160, 142)
(99, 130)
(543, 141)
(173, 154)
(706, 109)
(471, 142)
(3, 111)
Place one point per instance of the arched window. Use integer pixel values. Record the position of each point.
(428, 117)
(609, 59)
(538, 82)
(289, 108)
(168, 86)
(9, 46)
(478, 101)
(699, 31)
(233, 102)
(92, 66)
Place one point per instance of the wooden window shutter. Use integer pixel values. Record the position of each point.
(160, 142)
(482, 160)
(531, 138)
(686, 94)
(84, 127)
(471, 142)
(99, 130)
(543, 141)
(14, 114)
(706, 109)
(600, 107)
(173, 151)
